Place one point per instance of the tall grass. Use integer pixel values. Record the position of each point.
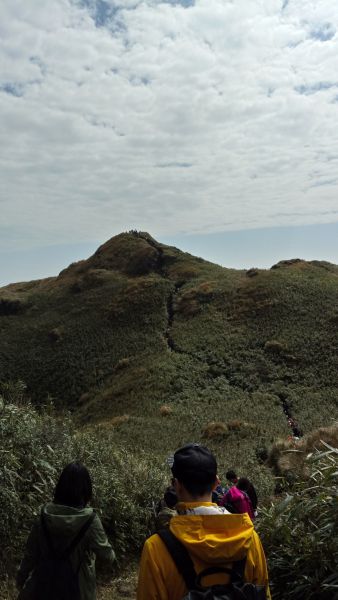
(300, 534)
(35, 446)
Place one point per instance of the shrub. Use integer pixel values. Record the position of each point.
(300, 534)
(123, 363)
(275, 347)
(35, 446)
(33, 449)
(214, 429)
(11, 307)
(289, 455)
(118, 420)
(165, 410)
(235, 425)
(125, 487)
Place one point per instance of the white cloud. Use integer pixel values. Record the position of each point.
(166, 117)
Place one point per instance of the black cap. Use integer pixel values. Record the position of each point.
(194, 463)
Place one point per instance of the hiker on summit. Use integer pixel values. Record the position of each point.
(59, 561)
(203, 535)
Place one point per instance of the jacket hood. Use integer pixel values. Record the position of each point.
(63, 520)
(214, 537)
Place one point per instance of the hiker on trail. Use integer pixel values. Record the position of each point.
(231, 477)
(166, 508)
(59, 560)
(246, 486)
(237, 501)
(206, 534)
(297, 432)
(218, 492)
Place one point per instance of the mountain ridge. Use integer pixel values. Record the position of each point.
(140, 325)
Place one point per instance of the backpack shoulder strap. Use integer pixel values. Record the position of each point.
(180, 556)
(75, 541)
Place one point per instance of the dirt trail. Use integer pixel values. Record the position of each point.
(293, 424)
(122, 587)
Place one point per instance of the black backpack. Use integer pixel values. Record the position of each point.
(236, 589)
(54, 577)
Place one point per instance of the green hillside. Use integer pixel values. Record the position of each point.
(149, 348)
(140, 325)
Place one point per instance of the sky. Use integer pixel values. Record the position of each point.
(211, 124)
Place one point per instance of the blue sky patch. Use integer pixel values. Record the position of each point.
(101, 11)
(323, 32)
(313, 88)
(185, 3)
(13, 89)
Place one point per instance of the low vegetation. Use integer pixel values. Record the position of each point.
(300, 533)
(299, 529)
(36, 445)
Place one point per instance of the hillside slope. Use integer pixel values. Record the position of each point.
(139, 325)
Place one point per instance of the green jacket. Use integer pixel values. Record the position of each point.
(64, 522)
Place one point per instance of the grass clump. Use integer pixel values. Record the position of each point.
(300, 534)
(214, 429)
(165, 410)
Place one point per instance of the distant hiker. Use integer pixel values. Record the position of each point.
(218, 492)
(246, 486)
(238, 502)
(203, 535)
(166, 508)
(297, 432)
(231, 477)
(59, 561)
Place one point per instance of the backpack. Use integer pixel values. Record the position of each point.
(237, 501)
(54, 577)
(236, 589)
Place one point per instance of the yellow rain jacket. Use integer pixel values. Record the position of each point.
(212, 540)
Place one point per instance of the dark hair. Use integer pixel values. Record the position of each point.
(170, 497)
(74, 487)
(197, 489)
(230, 475)
(245, 485)
(196, 468)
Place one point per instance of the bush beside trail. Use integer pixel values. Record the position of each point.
(300, 533)
(35, 446)
(287, 458)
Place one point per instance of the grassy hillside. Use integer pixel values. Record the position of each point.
(140, 325)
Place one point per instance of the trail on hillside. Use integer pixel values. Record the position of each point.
(296, 431)
(170, 299)
(170, 319)
(172, 346)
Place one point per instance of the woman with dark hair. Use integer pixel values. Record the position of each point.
(64, 542)
(246, 486)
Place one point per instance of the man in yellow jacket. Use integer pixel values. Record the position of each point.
(212, 536)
